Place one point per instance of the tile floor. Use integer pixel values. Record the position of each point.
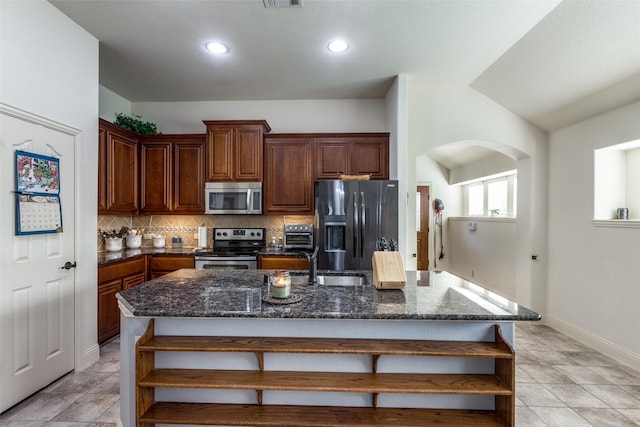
(559, 382)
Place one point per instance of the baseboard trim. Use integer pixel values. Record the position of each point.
(603, 346)
(90, 356)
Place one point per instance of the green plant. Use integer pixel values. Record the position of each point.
(134, 124)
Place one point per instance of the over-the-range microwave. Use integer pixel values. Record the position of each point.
(233, 198)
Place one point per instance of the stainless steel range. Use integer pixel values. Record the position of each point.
(232, 249)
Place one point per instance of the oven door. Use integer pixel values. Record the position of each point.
(298, 241)
(233, 198)
(227, 263)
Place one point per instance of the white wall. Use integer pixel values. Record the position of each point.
(443, 115)
(396, 111)
(593, 285)
(485, 256)
(37, 77)
(296, 116)
(428, 172)
(111, 103)
(489, 165)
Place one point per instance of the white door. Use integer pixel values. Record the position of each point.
(36, 295)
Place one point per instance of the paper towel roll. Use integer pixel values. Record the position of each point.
(202, 237)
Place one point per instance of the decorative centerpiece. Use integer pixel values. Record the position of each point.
(134, 123)
(281, 285)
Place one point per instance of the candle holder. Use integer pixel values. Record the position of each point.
(281, 285)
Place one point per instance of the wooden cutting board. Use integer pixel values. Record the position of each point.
(388, 270)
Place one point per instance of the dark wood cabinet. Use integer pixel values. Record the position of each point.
(113, 278)
(288, 177)
(108, 313)
(159, 265)
(155, 176)
(117, 170)
(282, 262)
(172, 174)
(332, 158)
(352, 154)
(234, 150)
(370, 155)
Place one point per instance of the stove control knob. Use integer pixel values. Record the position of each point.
(252, 234)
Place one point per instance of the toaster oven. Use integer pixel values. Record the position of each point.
(298, 236)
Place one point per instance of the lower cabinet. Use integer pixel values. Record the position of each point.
(282, 262)
(113, 278)
(159, 265)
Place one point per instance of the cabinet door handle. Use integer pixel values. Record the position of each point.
(68, 265)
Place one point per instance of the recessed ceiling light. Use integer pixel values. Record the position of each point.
(338, 46)
(217, 47)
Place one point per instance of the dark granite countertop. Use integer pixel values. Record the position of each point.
(285, 252)
(106, 257)
(239, 293)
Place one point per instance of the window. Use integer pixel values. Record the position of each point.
(476, 199)
(497, 197)
(617, 181)
(492, 197)
(418, 210)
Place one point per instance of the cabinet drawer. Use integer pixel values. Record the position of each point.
(282, 263)
(171, 263)
(121, 269)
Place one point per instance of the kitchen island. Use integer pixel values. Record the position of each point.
(354, 353)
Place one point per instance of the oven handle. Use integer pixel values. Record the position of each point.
(228, 258)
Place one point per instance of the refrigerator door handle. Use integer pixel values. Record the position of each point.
(363, 223)
(356, 224)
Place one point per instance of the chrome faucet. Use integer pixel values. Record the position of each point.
(312, 259)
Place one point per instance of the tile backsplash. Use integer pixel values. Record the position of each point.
(186, 226)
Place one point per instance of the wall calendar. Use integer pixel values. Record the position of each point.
(38, 207)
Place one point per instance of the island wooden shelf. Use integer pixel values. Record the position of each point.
(500, 384)
(299, 416)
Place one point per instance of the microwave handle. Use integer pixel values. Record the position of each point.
(248, 200)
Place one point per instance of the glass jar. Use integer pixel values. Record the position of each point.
(281, 285)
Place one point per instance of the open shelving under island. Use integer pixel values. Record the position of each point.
(204, 347)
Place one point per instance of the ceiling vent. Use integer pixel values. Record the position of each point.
(282, 3)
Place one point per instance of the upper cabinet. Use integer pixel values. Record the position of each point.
(234, 150)
(117, 170)
(352, 154)
(172, 174)
(288, 177)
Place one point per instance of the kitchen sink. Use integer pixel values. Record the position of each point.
(331, 279)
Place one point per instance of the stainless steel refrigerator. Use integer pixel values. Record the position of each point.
(351, 217)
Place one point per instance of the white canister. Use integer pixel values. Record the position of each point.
(133, 241)
(113, 244)
(158, 241)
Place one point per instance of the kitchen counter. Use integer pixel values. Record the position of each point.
(208, 305)
(283, 252)
(239, 293)
(105, 257)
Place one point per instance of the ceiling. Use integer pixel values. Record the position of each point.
(553, 63)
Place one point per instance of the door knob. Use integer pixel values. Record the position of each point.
(68, 265)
